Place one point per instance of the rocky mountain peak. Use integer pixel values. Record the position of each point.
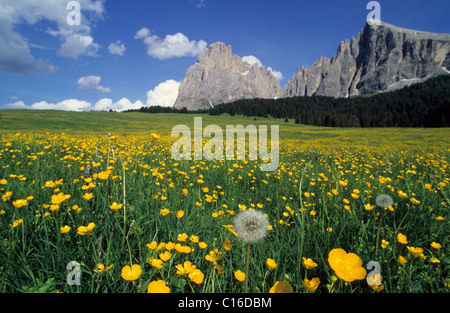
(220, 76)
(381, 57)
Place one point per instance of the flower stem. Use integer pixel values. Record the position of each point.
(246, 268)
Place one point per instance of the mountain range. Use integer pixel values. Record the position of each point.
(380, 58)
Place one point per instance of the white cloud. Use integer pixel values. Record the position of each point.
(177, 45)
(165, 94)
(277, 74)
(104, 104)
(116, 48)
(92, 83)
(251, 59)
(123, 104)
(65, 105)
(75, 45)
(16, 56)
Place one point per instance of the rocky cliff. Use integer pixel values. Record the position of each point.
(381, 57)
(219, 76)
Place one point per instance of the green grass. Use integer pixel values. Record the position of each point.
(41, 146)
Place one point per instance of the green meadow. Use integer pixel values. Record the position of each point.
(102, 190)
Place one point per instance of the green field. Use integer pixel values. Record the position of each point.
(61, 172)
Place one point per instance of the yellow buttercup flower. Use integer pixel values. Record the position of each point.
(16, 223)
(155, 246)
(196, 276)
(165, 256)
(180, 214)
(281, 287)
(239, 275)
(436, 245)
(102, 269)
(402, 238)
(185, 269)
(155, 136)
(65, 229)
(347, 266)
(368, 207)
(308, 263)
(311, 285)
(20, 203)
(115, 207)
(271, 264)
(401, 260)
(86, 230)
(158, 286)
(131, 273)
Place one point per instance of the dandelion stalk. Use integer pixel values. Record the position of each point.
(247, 267)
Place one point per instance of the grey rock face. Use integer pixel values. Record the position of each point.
(220, 76)
(380, 58)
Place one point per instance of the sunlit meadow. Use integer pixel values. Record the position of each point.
(102, 189)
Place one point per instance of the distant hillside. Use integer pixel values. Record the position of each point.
(425, 104)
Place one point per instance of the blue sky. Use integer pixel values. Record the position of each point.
(126, 54)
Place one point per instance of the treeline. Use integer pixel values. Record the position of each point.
(425, 104)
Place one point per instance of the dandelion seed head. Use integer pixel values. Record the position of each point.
(251, 225)
(384, 201)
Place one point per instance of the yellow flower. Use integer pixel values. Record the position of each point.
(384, 244)
(16, 223)
(155, 136)
(434, 260)
(401, 260)
(415, 201)
(156, 263)
(185, 192)
(60, 197)
(7, 196)
(54, 207)
(205, 189)
(343, 183)
(88, 196)
(402, 238)
(375, 282)
(202, 245)
(102, 269)
(65, 229)
(131, 273)
(329, 229)
(347, 266)
(182, 237)
(158, 286)
(185, 269)
(115, 207)
(165, 256)
(281, 287)
(368, 207)
(86, 230)
(416, 251)
(193, 239)
(436, 245)
(213, 256)
(104, 175)
(3, 181)
(227, 245)
(239, 275)
(180, 213)
(440, 218)
(271, 264)
(164, 211)
(402, 194)
(308, 263)
(196, 276)
(20, 203)
(155, 247)
(311, 285)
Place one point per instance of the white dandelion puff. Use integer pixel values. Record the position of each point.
(384, 201)
(251, 226)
